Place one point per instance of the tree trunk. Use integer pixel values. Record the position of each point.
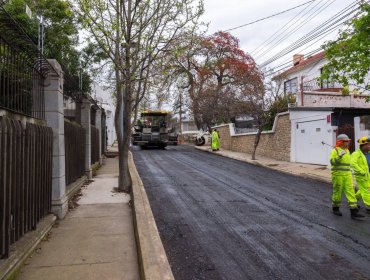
(136, 110)
(125, 182)
(125, 177)
(256, 141)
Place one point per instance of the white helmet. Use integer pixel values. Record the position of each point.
(343, 137)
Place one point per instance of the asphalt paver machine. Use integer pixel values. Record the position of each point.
(151, 130)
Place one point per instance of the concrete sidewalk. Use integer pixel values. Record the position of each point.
(316, 172)
(96, 240)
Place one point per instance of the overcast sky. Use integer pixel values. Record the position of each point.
(223, 15)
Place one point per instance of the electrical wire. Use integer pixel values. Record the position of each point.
(303, 43)
(288, 64)
(320, 29)
(299, 26)
(274, 15)
(283, 29)
(341, 17)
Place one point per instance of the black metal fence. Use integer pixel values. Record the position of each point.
(25, 179)
(21, 85)
(22, 70)
(103, 132)
(94, 144)
(74, 139)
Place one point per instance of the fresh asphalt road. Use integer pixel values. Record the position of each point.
(223, 219)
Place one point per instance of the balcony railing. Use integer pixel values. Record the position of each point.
(321, 86)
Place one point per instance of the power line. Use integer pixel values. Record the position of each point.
(288, 50)
(300, 25)
(288, 63)
(284, 65)
(261, 19)
(281, 30)
(317, 32)
(320, 29)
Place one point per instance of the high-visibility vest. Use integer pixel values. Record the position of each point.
(340, 166)
(360, 165)
(214, 136)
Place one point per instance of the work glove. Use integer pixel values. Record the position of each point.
(342, 153)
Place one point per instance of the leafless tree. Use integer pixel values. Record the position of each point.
(134, 34)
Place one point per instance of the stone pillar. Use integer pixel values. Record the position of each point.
(98, 126)
(85, 122)
(54, 115)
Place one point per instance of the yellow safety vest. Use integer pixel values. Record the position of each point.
(340, 166)
(360, 165)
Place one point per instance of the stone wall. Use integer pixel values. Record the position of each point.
(274, 144)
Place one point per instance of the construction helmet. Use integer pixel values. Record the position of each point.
(363, 140)
(343, 137)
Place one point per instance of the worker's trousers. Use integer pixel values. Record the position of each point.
(343, 184)
(363, 191)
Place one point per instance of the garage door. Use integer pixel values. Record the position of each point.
(309, 137)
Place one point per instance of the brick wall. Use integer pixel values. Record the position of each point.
(274, 144)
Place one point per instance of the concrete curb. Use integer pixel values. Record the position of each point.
(22, 249)
(153, 260)
(287, 171)
(74, 187)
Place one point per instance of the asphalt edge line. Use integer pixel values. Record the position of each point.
(24, 247)
(153, 262)
(257, 163)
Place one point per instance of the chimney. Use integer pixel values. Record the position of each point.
(297, 58)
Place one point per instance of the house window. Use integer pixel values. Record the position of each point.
(291, 86)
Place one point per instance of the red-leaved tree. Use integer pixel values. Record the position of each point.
(221, 73)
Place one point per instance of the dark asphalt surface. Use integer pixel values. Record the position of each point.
(223, 219)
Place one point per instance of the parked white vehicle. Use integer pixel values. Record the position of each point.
(203, 137)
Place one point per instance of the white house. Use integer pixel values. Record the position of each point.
(321, 111)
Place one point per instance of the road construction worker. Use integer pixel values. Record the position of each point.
(360, 167)
(215, 140)
(341, 175)
(368, 159)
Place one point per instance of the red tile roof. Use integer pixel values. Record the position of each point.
(304, 63)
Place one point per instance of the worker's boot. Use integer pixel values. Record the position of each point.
(336, 211)
(355, 214)
(368, 211)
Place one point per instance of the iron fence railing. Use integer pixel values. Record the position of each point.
(22, 70)
(74, 139)
(103, 132)
(94, 144)
(25, 179)
(21, 84)
(317, 85)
